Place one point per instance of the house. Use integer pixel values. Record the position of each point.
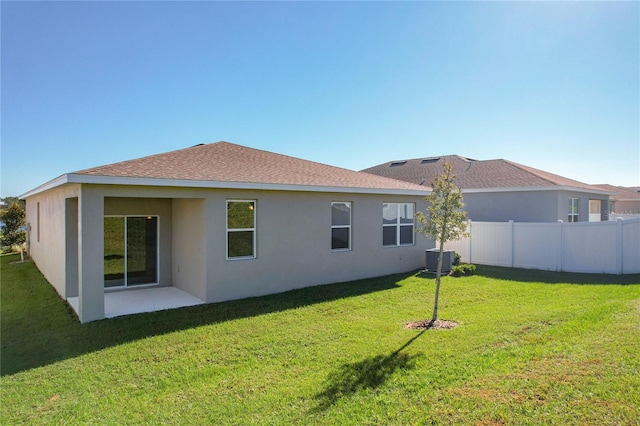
(219, 221)
(501, 190)
(625, 201)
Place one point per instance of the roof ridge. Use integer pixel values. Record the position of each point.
(484, 174)
(84, 171)
(439, 157)
(292, 157)
(224, 161)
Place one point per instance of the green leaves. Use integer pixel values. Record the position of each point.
(446, 219)
(13, 219)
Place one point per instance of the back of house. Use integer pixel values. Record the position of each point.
(219, 221)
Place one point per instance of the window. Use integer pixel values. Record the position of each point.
(573, 209)
(241, 229)
(341, 225)
(397, 224)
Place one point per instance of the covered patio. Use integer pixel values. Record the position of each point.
(136, 301)
(138, 254)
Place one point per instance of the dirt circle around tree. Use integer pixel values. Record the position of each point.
(431, 325)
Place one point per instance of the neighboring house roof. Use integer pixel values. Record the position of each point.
(622, 193)
(227, 165)
(478, 176)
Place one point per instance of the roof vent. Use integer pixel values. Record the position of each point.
(200, 144)
(398, 163)
(430, 160)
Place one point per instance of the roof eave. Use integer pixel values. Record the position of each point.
(60, 180)
(186, 183)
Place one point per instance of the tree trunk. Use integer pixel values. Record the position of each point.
(438, 274)
(434, 318)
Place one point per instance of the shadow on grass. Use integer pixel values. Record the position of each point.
(367, 374)
(551, 277)
(38, 328)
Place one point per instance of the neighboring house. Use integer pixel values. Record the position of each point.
(501, 190)
(219, 221)
(624, 201)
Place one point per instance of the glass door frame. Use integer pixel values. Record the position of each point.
(125, 286)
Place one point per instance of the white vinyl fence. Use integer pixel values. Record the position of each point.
(596, 247)
(625, 216)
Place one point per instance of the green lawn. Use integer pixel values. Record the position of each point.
(532, 348)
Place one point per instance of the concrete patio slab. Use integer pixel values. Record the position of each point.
(135, 301)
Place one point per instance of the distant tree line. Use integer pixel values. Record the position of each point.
(13, 234)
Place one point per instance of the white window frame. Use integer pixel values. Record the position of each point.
(255, 216)
(399, 225)
(348, 203)
(573, 217)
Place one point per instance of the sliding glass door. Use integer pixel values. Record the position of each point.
(114, 252)
(130, 251)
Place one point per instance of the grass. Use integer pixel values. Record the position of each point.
(532, 347)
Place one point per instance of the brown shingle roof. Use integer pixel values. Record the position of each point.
(227, 162)
(621, 193)
(474, 174)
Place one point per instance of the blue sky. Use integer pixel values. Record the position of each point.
(553, 85)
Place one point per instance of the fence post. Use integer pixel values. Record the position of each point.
(619, 246)
(512, 242)
(470, 237)
(560, 255)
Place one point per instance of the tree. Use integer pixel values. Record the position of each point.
(13, 233)
(10, 200)
(445, 220)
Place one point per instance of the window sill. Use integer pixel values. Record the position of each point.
(233, 259)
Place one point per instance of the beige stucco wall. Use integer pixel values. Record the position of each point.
(294, 244)
(90, 253)
(189, 250)
(47, 235)
(293, 240)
